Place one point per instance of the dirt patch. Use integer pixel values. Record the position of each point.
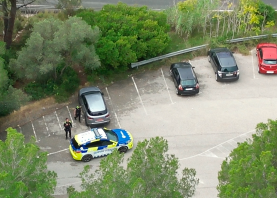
(81, 74)
(29, 112)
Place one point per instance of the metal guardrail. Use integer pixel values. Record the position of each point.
(197, 48)
(167, 55)
(250, 38)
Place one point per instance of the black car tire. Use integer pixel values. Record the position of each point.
(86, 122)
(216, 77)
(259, 69)
(123, 149)
(87, 158)
(177, 91)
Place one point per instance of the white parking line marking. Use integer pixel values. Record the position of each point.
(46, 126)
(57, 152)
(233, 143)
(210, 154)
(58, 120)
(207, 151)
(222, 148)
(166, 86)
(139, 95)
(34, 131)
(253, 67)
(70, 115)
(113, 108)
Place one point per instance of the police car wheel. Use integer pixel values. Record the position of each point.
(123, 149)
(87, 158)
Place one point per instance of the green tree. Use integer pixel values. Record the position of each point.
(129, 33)
(250, 170)
(23, 168)
(9, 9)
(54, 43)
(10, 98)
(150, 172)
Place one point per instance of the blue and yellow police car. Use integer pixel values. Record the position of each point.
(99, 142)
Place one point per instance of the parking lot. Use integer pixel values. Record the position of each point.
(201, 130)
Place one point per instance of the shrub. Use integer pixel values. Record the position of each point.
(61, 89)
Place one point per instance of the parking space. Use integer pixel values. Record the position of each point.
(201, 130)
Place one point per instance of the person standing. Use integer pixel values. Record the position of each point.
(77, 113)
(67, 128)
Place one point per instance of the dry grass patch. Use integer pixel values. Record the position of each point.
(29, 112)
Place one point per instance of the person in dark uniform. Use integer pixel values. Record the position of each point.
(67, 128)
(77, 113)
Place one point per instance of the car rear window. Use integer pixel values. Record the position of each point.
(226, 59)
(229, 69)
(270, 62)
(96, 104)
(188, 82)
(75, 144)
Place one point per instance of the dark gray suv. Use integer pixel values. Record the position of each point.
(224, 64)
(93, 106)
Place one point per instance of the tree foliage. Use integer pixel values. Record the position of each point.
(54, 42)
(150, 173)
(216, 19)
(188, 16)
(9, 9)
(10, 98)
(251, 168)
(23, 168)
(129, 33)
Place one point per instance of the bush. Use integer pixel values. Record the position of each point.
(61, 89)
(129, 34)
(11, 100)
(67, 85)
(39, 90)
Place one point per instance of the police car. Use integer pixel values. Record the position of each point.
(99, 142)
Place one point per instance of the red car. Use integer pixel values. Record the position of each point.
(267, 58)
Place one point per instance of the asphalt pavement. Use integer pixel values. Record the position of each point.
(201, 130)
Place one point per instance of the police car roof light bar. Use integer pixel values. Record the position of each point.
(97, 134)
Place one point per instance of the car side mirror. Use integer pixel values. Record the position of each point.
(102, 93)
(193, 67)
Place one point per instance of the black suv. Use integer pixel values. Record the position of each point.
(224, 64)
(184, 78)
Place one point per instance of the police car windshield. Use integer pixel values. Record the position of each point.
(111, 135)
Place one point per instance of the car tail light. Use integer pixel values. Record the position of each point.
(180, 87)
(107, 116)
(219, 73)
(89, 118)
(77, 151)
(236, 72)
(197, 86)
